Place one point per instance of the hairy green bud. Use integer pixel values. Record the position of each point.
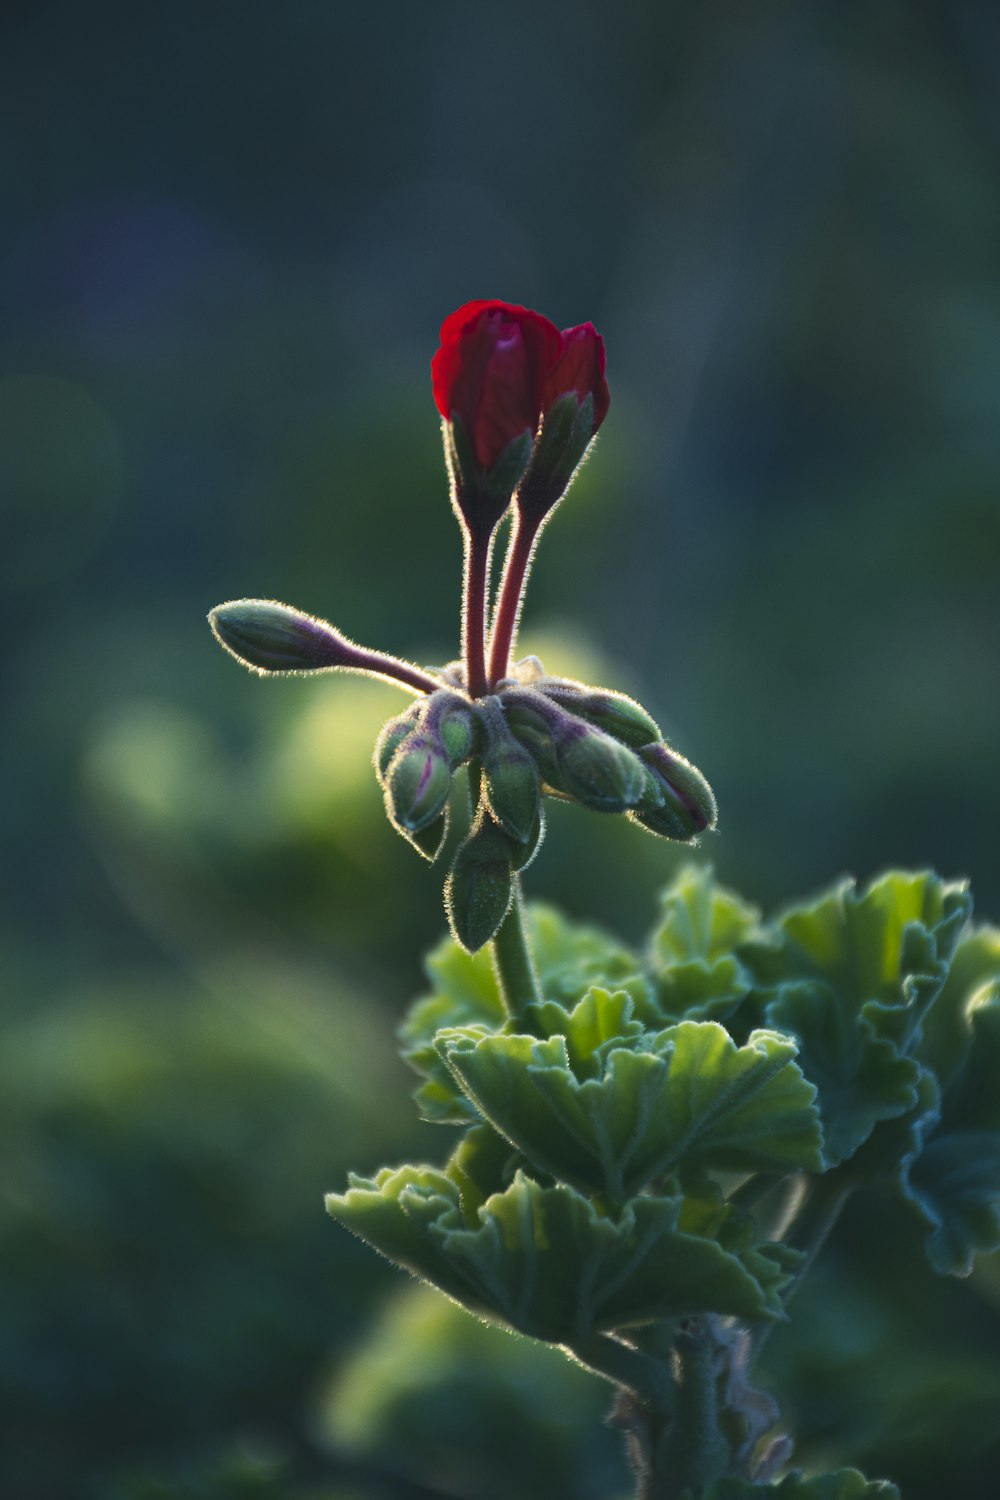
(511, 776)
(392, 734)
(417, 783)
(480, 884)
(615, 713)
(679, 803)
(600, 771)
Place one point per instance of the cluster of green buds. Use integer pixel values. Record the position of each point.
(507, 383)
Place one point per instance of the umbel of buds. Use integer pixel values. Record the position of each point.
(521, 403)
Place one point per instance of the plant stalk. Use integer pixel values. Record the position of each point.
(475, 588)
(512, 960)
(524, 535)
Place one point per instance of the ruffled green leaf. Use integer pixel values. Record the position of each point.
(544, 1261)
(853, 975)
(890, 944)
(599, 1022)
(952, 1176)
(845, 1484)
(465, 993)
(695, 969)
(569, 959)
(687, 1100)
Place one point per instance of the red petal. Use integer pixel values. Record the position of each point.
(580, 369)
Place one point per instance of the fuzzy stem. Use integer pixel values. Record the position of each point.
(645, 1377)
(689, 1452)
(390, 668)
(524, 535)
(512, 960)
(478, 545)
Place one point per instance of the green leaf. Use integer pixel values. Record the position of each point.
(853, 975)
(952, 1177)
(465, 993)
(685, 1100)
(572, 957)
(569, 960)
(691, 955)
(598, 1023)
(845, 1484)
(544, 1261)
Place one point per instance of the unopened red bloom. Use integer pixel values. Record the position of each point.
(489, 373)
(580, 369)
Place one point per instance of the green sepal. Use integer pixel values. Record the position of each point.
(691, 955)
(480, 884)
(844, 1484)
(853, 976)
(512, 787)
(690, 1100)
(545, 1261)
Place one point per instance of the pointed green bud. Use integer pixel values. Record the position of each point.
(270, 637)
(417, 783)
(679, 803)
(452, 720)
(524, 852)
(615, 713)
(392, 734)
(511, 776)
(533, 729)
(480, 884)
(600, 771)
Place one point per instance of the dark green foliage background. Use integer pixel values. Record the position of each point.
(230, 234)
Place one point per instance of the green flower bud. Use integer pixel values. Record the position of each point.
(574, 758)
(679, 803)
(616, 714)
(600, 771)
(480, 884)
(532, 729)
(453, 720)
(417, 783)
(511, 776)
(392, 734)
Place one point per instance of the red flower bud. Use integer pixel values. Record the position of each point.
(489, 371)
(580, 369)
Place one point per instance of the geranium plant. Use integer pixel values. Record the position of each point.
(646, 1151)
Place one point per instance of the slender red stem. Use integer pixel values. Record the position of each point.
(474, 592)
(515, 576)
(378, 664)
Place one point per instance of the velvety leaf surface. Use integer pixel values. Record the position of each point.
(686, 1099)
(695, 969)
(545, 1261)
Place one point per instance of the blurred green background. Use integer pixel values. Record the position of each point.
(230, 234)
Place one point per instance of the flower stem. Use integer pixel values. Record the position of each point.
(515, 575)
(474, 591)
(390, 668)
(512, 960)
